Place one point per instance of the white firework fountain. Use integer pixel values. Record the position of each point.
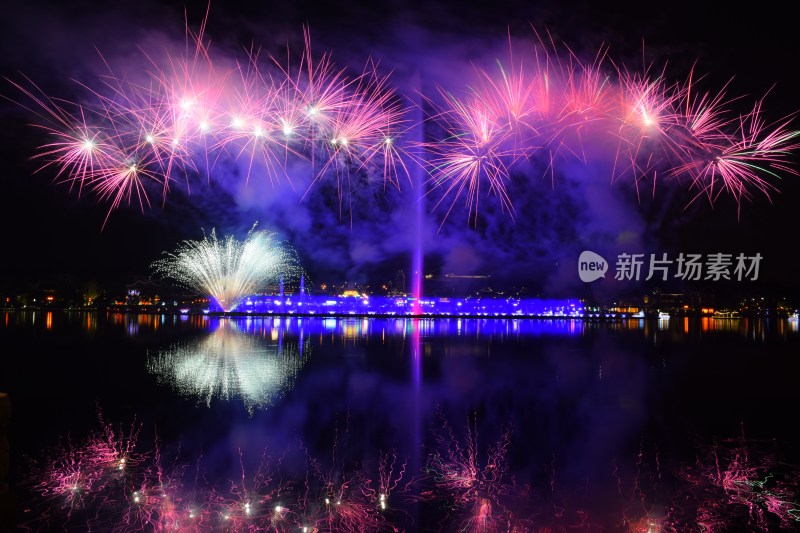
(229, 270)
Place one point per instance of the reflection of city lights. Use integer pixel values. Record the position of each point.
(229, 364)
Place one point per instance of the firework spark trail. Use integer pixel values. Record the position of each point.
(740, 479)
(469, 487)
(509, 116)
(387, 482)
(734, 484)
(229, 270)
(476, 493)
(152, 495)
(335, 496)
(362, 136)
(77, 479)
(254, 502)
(740, 163)
(643, 511)
(475, 150)
(700, 138)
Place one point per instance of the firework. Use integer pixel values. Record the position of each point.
(477, 492)
(541, 110)
(136, 134)
(743, 479)
(229, 270)
(112, 481)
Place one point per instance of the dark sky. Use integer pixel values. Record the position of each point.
(50, 232)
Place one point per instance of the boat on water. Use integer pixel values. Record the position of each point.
(726, 315)
(650, 315)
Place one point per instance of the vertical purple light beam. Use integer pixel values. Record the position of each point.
(418, 195)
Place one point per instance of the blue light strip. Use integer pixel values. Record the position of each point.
(307, 304)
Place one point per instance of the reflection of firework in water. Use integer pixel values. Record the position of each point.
(742, 480)
(231, 364)
(473, 489)
(229, 270)
(468, 486)
(75, 480)
(733, 485)
(107, 483)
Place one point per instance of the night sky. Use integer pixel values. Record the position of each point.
(52, 234)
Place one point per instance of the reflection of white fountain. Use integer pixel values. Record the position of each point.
(231, 364)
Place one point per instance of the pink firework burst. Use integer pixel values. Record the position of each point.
(474, 152)
(744, 160)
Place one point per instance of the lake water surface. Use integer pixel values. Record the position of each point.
(125, 422)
